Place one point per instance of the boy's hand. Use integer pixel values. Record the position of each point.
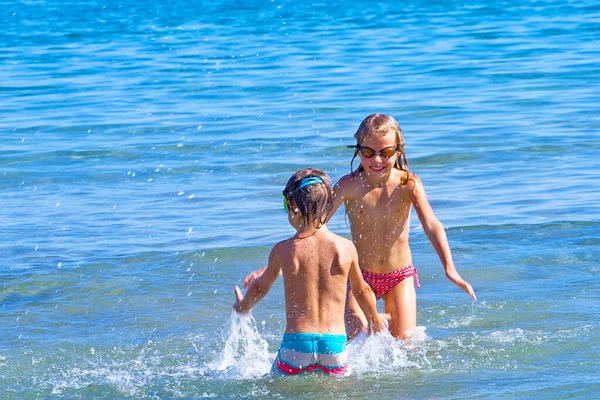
(237, 306)
(252, 276)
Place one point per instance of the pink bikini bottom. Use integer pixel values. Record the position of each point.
(383, 283)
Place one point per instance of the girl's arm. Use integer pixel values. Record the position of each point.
(338, 196)
(260, 286)
(437, 235)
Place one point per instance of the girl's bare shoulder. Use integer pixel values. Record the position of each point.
(347, 184)
(351, 178)
(409, 180)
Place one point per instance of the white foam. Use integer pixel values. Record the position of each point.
(245, 354)
(382, 353)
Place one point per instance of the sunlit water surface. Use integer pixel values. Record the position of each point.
(145, 145)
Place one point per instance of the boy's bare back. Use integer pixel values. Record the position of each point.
(315, 273)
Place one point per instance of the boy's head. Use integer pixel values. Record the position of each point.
(308, 192)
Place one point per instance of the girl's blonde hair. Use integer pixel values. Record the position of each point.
(380, 125)
(314, 202)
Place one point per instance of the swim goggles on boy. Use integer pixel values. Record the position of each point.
(368, 152)
(311, 180)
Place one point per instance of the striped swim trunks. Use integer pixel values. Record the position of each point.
(301, 352)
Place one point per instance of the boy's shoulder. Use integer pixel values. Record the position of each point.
(280, 248)
(282, 245)
(343, 243)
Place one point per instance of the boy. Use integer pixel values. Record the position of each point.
(316, 265)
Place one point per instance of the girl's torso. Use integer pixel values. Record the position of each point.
(379, 217)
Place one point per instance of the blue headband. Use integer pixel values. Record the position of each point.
(311, 180)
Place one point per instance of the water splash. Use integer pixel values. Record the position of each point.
(382, 353)
(246, 354)
(132, 372)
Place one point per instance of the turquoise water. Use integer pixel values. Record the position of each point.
(145, 145)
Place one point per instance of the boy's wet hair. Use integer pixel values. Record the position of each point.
(314, 202)
(381, 124)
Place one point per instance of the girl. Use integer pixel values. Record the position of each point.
(378, 197)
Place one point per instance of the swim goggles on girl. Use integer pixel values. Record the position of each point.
(311, 180)
(368, 152)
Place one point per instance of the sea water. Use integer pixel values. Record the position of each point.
(145, 144)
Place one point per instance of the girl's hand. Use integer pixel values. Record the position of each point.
(460, 282)
(467, 288)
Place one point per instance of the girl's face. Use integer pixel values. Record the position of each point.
(379, 165)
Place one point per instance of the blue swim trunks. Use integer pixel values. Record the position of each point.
(302, 352)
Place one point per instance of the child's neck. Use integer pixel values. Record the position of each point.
(302, 232)
(377, 181)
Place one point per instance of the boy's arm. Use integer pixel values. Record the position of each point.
(437, 235)
(365, 297)
(252, 276)
(260, 286)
